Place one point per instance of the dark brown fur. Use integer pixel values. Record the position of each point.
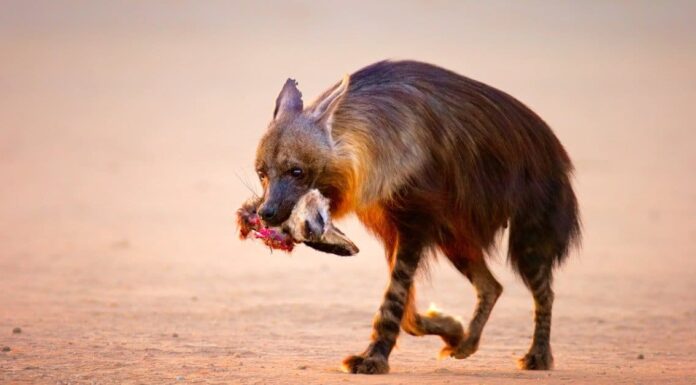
(429, 160)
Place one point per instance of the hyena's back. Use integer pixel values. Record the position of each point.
(451, 151)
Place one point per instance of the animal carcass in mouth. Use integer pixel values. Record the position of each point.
(309, 223)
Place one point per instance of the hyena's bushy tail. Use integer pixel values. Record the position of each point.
(545, 227)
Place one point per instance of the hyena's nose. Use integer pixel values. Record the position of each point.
(267, 213)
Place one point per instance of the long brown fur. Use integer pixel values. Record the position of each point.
(429, 160)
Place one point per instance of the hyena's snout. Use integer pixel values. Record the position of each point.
(279, 201)
(268, 212)
(274, 212)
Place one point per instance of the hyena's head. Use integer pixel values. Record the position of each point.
(294, 152)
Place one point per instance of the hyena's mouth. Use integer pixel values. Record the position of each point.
(309, 223)
(251, 226)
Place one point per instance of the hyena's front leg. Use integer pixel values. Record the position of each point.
(387, 322)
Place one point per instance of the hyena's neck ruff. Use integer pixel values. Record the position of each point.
(431, 160)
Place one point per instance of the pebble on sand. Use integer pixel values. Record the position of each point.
(16, 330)
(175, 335)
(6, 349)
(641, 356)
(179, 378)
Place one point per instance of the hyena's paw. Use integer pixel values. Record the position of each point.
(466, 347)
(449, 329)
(536, 359)
(365, 365)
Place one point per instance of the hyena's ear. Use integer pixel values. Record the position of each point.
(289, 101)
(324, 107)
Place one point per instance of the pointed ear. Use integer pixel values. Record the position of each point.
(324, 107)
(289, 101)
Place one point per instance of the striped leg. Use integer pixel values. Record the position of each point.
(433, 322)
(487, 292)
(388, 319)
(539, 356)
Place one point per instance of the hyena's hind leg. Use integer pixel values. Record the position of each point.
(540, 237)
(532, 257)
(538, 279)
(433, 322)
(487, 292)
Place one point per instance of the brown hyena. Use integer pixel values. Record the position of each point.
(429, 161)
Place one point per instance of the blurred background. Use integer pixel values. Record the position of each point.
(127, 138)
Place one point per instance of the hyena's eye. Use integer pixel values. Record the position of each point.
(296, 172)
(261, 174)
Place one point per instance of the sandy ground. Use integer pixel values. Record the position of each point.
(127, 130)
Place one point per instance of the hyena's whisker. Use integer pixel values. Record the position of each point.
(246, 184)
